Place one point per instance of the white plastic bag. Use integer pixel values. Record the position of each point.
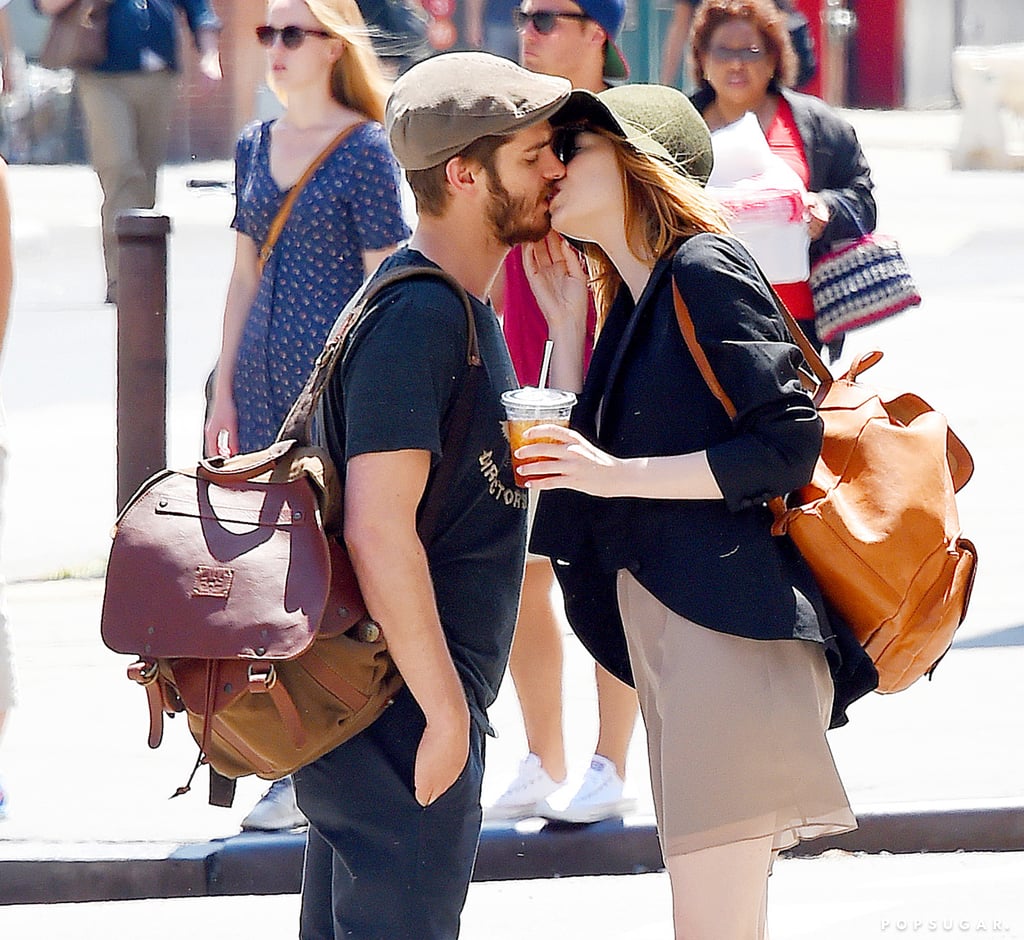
(765, 199)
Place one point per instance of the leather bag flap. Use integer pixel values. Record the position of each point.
(906, 407)
(188, 583)
(345, 605)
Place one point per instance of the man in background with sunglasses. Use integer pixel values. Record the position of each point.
(574, 41)
(555, 36)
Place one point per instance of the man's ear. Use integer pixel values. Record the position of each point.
(462, 174)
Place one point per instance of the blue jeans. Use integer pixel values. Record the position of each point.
(378, 865)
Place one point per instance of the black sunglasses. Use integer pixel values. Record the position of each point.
(291, 36)
(544, 21)
(565, 141)
(725, 54)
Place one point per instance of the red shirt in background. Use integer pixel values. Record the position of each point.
(525, 328)
(784, 141)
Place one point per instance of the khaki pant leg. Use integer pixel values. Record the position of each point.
(128, 126)
(154, 96)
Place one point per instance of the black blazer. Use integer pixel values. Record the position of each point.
(712, 561)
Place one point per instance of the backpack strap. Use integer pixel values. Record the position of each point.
(281, 217)
(820, 375)
(700, 357)
(297, 423)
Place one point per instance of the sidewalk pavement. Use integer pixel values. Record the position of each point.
(838, 896)
(937, 768)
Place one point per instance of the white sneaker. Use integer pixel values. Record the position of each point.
(277, 810)
(526, 796)
(599, 796)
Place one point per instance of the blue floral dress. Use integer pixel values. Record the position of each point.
(350, 205)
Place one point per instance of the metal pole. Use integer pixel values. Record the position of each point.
(141, 348)
(840, 23)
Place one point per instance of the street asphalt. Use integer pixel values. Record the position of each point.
(934, 773)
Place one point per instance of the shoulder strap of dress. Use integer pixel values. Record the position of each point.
(277, 225)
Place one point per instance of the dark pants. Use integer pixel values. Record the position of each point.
(378, 865)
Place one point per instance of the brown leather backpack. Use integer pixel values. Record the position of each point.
(228, 582)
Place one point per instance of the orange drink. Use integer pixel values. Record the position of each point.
(528, 407)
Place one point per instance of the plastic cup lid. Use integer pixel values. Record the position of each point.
(544, 397)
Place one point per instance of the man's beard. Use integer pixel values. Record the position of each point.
(513, 218)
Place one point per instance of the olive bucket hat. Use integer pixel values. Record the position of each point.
(656, 120)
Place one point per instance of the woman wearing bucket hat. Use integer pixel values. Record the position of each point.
(656, 514)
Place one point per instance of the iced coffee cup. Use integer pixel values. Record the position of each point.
(527, 407)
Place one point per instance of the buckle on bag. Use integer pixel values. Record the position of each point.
(264, 675)
(144, 672)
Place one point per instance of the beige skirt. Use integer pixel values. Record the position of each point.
(735, 731)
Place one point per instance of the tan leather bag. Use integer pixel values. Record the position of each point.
(878, 522)
(228, 582)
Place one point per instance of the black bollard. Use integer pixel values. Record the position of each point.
(141, 348)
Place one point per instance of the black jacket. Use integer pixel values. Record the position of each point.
(838, 169)
(712, 561)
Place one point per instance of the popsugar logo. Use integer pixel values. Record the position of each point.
(949, 926)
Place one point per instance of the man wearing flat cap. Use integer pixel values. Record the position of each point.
(395, 811)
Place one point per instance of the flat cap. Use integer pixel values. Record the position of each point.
(443, 104)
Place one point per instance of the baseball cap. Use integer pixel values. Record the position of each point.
(443, 104)
(609, 14)
(656, 120)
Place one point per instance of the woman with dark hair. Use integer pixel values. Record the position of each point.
(658, 502)
(677, 37)
(743, 61)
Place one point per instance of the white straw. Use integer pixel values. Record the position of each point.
(548, 346)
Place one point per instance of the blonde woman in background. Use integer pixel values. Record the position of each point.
(345, 221)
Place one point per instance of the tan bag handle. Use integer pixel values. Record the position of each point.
(242, 467)
(777, 505)
(277, 225)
